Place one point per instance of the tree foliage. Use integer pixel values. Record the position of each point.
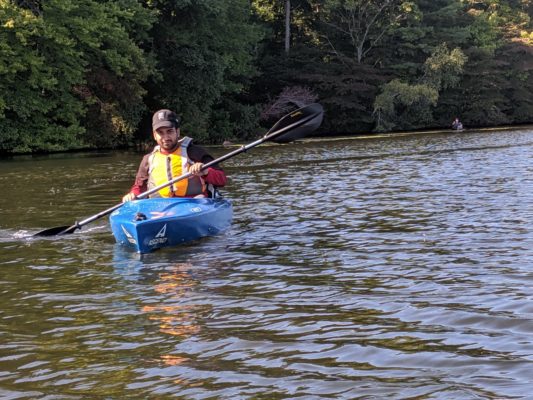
(205, 56)
(362, 24)
(400, 101)
(89, 73)
(61, 61)
(407, 106)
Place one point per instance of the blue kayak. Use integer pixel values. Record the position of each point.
(150, 224)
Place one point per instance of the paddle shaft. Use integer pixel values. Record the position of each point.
(242, 149)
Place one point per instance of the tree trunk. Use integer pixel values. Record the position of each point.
(287, 26)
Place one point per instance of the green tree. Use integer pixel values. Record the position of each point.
(483, 95)
(442, 70)
(357, 27)
(205, 54)
(406, 106)
(390, 55)
(289, 22)
(52, 60)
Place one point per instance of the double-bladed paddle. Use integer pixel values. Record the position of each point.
(292, 126)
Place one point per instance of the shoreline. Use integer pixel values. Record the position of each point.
(312, 139)
(378, 135)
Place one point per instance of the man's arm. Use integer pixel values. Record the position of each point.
(215, 175)
(141, 181)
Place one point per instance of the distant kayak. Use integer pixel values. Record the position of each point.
(147, 225)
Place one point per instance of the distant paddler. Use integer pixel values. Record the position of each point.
(457, 125)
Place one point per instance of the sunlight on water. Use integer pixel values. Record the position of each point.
(392, 267)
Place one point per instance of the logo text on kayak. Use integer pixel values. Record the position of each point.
(160, 237)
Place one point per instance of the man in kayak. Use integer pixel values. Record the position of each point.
(174, 156)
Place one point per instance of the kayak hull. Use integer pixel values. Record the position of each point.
(147, 225)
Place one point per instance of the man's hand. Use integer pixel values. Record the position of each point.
(196, 167)
(129, 197)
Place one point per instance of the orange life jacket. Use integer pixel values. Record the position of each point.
(164, 167)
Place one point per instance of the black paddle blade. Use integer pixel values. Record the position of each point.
(313, 113)
(58, 230)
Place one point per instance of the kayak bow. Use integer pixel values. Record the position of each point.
(147, 225)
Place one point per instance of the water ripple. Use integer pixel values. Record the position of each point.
(394, 267)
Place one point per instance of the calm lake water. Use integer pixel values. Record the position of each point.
(396, 267)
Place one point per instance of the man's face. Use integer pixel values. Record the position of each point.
(167, 138)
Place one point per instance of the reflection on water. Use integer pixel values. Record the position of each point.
(172, 317)
(393, 267)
